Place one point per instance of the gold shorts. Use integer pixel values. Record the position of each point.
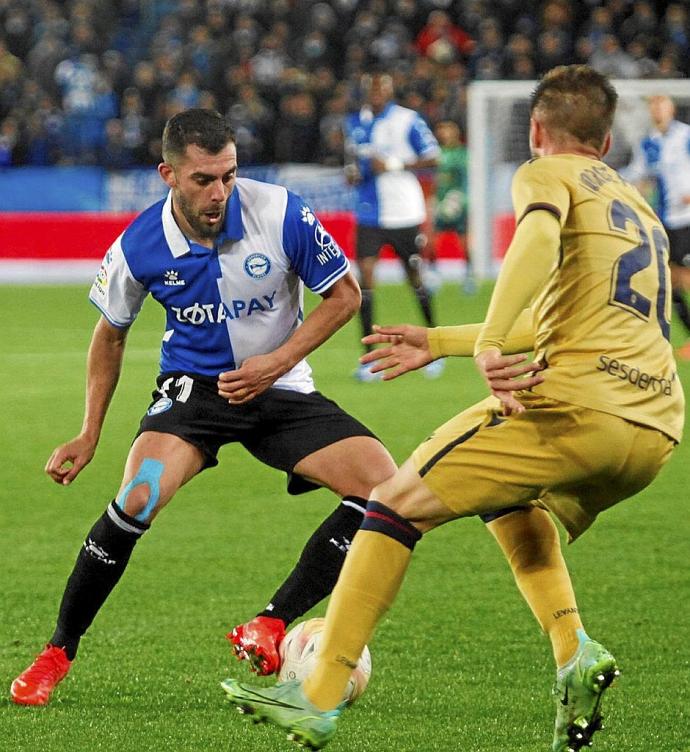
(574, 461)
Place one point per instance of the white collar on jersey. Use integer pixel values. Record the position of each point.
(174, 236)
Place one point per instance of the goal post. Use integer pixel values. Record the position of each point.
(498, 142)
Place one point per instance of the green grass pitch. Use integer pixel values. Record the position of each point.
(459, 662)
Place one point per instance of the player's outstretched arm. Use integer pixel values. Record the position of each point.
(412, 347)
(408, 351)
(104, 363)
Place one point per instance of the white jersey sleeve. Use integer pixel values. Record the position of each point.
(115, 291)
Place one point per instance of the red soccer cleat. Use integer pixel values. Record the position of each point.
(35, 685)
(257, 641)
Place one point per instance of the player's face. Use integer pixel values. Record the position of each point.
(661, 110)
(379, 90)
(201, 184)
(448, 134)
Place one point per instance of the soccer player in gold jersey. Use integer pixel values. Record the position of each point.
(593, 426)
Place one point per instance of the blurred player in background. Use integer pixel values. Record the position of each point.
(228, 259)
(384, 143)
(593, 427)
(450, 205)
(661, 168)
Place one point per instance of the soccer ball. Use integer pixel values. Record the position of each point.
(298, 652)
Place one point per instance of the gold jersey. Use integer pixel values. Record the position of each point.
(602, 320)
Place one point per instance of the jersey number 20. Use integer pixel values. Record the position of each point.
(623, 294)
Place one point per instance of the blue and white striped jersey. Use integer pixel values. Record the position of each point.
(665, 158)
(241, 298)
(393, 198)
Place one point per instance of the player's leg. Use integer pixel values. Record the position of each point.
(529, 540)
(408, 243)
(469, 283)
(391, 537)
(157, 465)
(471, 467)
(369, 244)
(367, 281)
(476, 463)
(372, 573)
(323, 446)
(310, 581)
(583, 680)
(368, 248)
(679, 253)
(404, 509)
(351, 468)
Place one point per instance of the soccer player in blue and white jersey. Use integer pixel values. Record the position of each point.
(228, 259)
(384, 143)
(662, 158)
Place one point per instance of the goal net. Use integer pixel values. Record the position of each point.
(498, 142)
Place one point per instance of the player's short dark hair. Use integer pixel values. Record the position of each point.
(576, 100)
(207, 129)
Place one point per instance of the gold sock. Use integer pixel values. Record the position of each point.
(369, 581)
(530, 542)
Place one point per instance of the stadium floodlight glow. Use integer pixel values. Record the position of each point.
(497, 138)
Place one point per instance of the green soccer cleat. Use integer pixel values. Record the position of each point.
(578, 691)
(286, 706)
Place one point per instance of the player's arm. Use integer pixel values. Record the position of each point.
(425, 147)
(636, 171)
(351, 169)
(103, 366)
(541, 199)
(535, 249)
(338, 305)
(412, 347)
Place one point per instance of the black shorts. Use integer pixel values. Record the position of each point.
(279, 427)
(679, 245)
(405, 241)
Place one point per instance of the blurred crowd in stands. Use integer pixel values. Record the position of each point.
(91, 82)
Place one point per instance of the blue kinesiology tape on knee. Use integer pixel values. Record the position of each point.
(149, 473)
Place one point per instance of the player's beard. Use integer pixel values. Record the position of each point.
(196, 222)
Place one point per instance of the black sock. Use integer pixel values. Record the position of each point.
(319, 565)
(681, 307)
(366, 312)
(424, 300)
(99, 566)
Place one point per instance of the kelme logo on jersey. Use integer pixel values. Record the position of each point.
(257, 265)
(172, 279)
(307, 215)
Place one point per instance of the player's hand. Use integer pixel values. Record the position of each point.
(68, 460)
(505, 374)
(378, 165)
(408, 351)
(251, 379)
(352, 174)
